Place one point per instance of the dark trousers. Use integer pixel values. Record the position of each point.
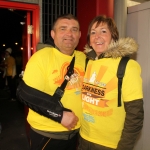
(86, 145)
(12, 86)
(2, 80)
(40, 142)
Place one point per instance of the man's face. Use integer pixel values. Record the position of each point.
(7, 54)
(66, 35)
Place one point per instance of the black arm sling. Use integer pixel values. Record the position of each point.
(60, 90)
(43, 103)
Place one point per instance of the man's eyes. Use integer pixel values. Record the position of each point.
(62, 28)
(75, 29)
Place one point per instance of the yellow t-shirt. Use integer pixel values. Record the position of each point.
(45, 71)
(10, 64)
(102, 121)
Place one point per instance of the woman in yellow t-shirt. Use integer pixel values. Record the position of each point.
(105, 126)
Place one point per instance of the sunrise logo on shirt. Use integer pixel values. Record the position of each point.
(76, 78)
(95, 87)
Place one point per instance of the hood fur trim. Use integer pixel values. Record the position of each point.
(123, 47)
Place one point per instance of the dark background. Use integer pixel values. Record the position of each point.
(10, 28)
(11, 32)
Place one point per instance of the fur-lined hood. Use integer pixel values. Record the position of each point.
(123, 47)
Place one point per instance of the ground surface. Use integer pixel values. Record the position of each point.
(13, 134)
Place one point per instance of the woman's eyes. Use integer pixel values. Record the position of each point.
(94, 32)
(103, 31)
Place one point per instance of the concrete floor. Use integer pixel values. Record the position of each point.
(13, 135)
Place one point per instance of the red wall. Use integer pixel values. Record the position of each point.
(87, 10)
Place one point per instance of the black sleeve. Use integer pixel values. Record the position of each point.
(40, 102)
(133, 124)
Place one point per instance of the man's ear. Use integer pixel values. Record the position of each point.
(52, 34)
(80, 35)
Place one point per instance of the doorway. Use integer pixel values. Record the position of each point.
(29, 40)
(29, 14)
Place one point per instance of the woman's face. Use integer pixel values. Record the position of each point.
(100, 37)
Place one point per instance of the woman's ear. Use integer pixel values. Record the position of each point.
(112, 41)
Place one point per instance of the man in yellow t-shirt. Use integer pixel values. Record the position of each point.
(55, 124)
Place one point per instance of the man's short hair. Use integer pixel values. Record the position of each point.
(65, 16)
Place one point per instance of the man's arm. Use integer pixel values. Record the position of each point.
(40, 102)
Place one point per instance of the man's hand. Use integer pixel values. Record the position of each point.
(69, 120)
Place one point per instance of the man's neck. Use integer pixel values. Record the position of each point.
(64, 52)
